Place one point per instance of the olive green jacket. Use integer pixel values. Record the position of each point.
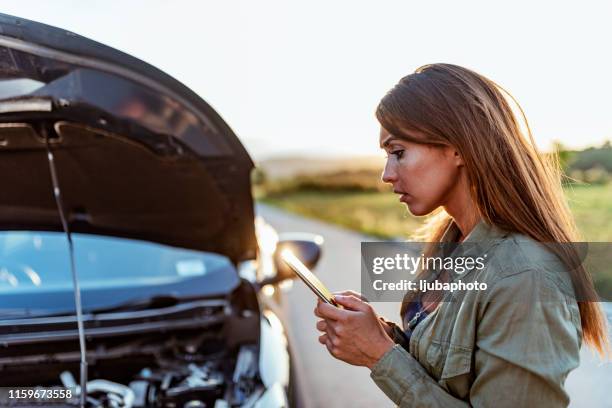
(512, 345)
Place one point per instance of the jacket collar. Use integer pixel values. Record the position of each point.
(480, 240)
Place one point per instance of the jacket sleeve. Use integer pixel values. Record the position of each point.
(397, 334)
(528, 340)
(407, 383)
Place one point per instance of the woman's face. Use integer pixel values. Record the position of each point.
(424, 176)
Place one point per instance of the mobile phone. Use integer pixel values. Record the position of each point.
(308, 277)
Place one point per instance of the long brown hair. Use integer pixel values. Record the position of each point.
(514, 187)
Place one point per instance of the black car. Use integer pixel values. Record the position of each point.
(130, 260)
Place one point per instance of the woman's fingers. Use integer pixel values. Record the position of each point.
(329, 327)
(356, 299)
(322, 325)
(316, 309)
(351, 293)
(326, 340)
(329, 312)
(352, 303)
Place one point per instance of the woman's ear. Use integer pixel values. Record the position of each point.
(454, 156)
(458, 159)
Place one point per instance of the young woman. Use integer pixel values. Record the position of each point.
(456, 149)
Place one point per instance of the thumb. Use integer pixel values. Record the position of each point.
(351, 302)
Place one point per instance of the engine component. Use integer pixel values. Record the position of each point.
(245, 373)
(111, 394)
(190, 372)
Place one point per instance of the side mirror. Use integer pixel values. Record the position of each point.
(307, 247)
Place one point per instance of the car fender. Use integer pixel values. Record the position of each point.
(274, 361)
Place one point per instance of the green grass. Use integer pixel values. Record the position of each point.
(382, 215)
(378, 214)
(592, 208)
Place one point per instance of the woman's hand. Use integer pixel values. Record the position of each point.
(385, 324)
(354, 334)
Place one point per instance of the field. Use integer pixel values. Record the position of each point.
(592, 208)
(349, 192)
(382, 215)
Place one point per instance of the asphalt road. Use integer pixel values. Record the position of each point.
(327, 382)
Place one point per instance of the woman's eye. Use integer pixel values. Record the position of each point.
(398, 153)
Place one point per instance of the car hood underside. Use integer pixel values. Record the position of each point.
(137, 154)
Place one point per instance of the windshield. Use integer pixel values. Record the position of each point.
(110, 268)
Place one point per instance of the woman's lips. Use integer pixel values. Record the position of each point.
(403, 196)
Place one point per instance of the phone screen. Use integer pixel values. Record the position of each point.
(308, 277)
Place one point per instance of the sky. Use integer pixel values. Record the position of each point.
(303, 78)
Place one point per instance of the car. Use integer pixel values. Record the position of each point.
(133, 270)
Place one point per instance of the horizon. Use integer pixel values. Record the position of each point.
(338, 156)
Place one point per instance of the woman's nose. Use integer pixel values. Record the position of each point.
(389, 174)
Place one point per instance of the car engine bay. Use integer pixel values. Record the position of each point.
(187, 380)
(143, 358)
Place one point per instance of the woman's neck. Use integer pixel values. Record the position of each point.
(463, 210)
(466, 222)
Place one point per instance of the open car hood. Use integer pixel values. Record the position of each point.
(137, 153)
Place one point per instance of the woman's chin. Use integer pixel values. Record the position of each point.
(417, 210)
